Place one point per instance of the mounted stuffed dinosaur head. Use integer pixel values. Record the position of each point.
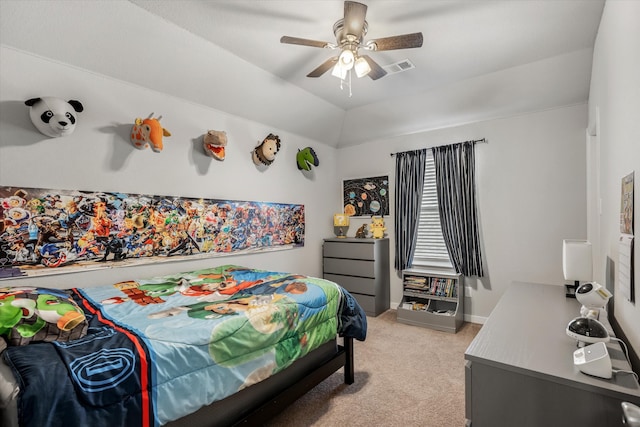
(306, 158)
(214, 144)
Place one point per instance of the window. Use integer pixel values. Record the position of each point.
(431, 250)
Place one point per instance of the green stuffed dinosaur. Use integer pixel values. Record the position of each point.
(59, 312)
(13, 310)
(46, 308)
(306, 158)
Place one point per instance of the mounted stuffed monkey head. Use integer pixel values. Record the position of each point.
(53, 116)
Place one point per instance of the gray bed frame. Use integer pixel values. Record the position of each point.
(262, 401)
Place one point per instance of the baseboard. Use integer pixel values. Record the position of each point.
(475, 319)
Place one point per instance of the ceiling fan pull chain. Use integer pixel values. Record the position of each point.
(344, 82)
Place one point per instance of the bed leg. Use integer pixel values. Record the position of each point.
(348, 363)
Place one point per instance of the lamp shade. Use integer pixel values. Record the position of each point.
(346, 59)
(576, 260)
(339, 71)
(362, 67)
(340, 224)
(341, 220)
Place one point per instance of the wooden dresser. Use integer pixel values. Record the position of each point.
(361, 266)
(520, 371)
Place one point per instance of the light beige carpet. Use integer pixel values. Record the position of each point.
(404, 376)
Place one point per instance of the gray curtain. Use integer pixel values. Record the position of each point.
(410, 166)
(455, 183)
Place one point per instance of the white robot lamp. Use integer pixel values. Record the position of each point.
(593, 297)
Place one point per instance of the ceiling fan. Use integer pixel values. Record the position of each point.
(349, 32)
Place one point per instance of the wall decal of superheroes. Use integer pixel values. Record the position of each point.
(42, 229)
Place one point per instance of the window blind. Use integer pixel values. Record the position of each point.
(431, 250)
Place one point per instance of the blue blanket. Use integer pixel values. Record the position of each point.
(161, 348)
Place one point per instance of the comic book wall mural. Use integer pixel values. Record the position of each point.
(44, 231)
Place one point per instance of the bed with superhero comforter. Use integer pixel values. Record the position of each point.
(167, 349)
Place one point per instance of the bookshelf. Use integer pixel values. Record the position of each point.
(432, 299)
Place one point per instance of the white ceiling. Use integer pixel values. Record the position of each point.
(479, 60)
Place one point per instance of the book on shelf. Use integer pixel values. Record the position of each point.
(436, 286)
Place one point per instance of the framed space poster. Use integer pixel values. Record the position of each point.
(366, 196)
(53, 231)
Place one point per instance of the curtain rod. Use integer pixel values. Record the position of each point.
(475, 141)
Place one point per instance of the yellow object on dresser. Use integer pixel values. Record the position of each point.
(377, 227)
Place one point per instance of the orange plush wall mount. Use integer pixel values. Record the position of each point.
(148, 132)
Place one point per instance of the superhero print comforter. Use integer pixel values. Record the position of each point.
(159, 349)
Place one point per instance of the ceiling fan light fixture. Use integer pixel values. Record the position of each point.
(346, 59)
(362, 67)
(339, 71)
(350, 32)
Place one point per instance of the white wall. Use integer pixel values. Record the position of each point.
(614, 112)
(531, 175)
(531, 189)
(124, 41)
(98, 156)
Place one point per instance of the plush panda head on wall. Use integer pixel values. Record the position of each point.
(53, 116)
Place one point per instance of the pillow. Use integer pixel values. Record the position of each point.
(35, 314)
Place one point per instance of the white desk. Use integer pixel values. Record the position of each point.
(520, 372)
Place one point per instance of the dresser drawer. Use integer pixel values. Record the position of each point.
(361, 285)
(367, 302)
(351, 250)
(349, 267)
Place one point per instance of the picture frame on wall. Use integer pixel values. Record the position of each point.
(626, 204)
(366, 196)
(50, 231)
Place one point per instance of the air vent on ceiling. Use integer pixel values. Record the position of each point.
(399, 66)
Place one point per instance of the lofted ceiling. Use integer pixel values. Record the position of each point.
(479, 60)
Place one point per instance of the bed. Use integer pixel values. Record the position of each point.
(220, 346)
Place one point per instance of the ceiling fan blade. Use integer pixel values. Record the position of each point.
(324, 67)
(376, 70)
(354, 17)
(404, 41)
(303, 42)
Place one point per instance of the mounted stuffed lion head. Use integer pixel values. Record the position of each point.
(265, 153)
